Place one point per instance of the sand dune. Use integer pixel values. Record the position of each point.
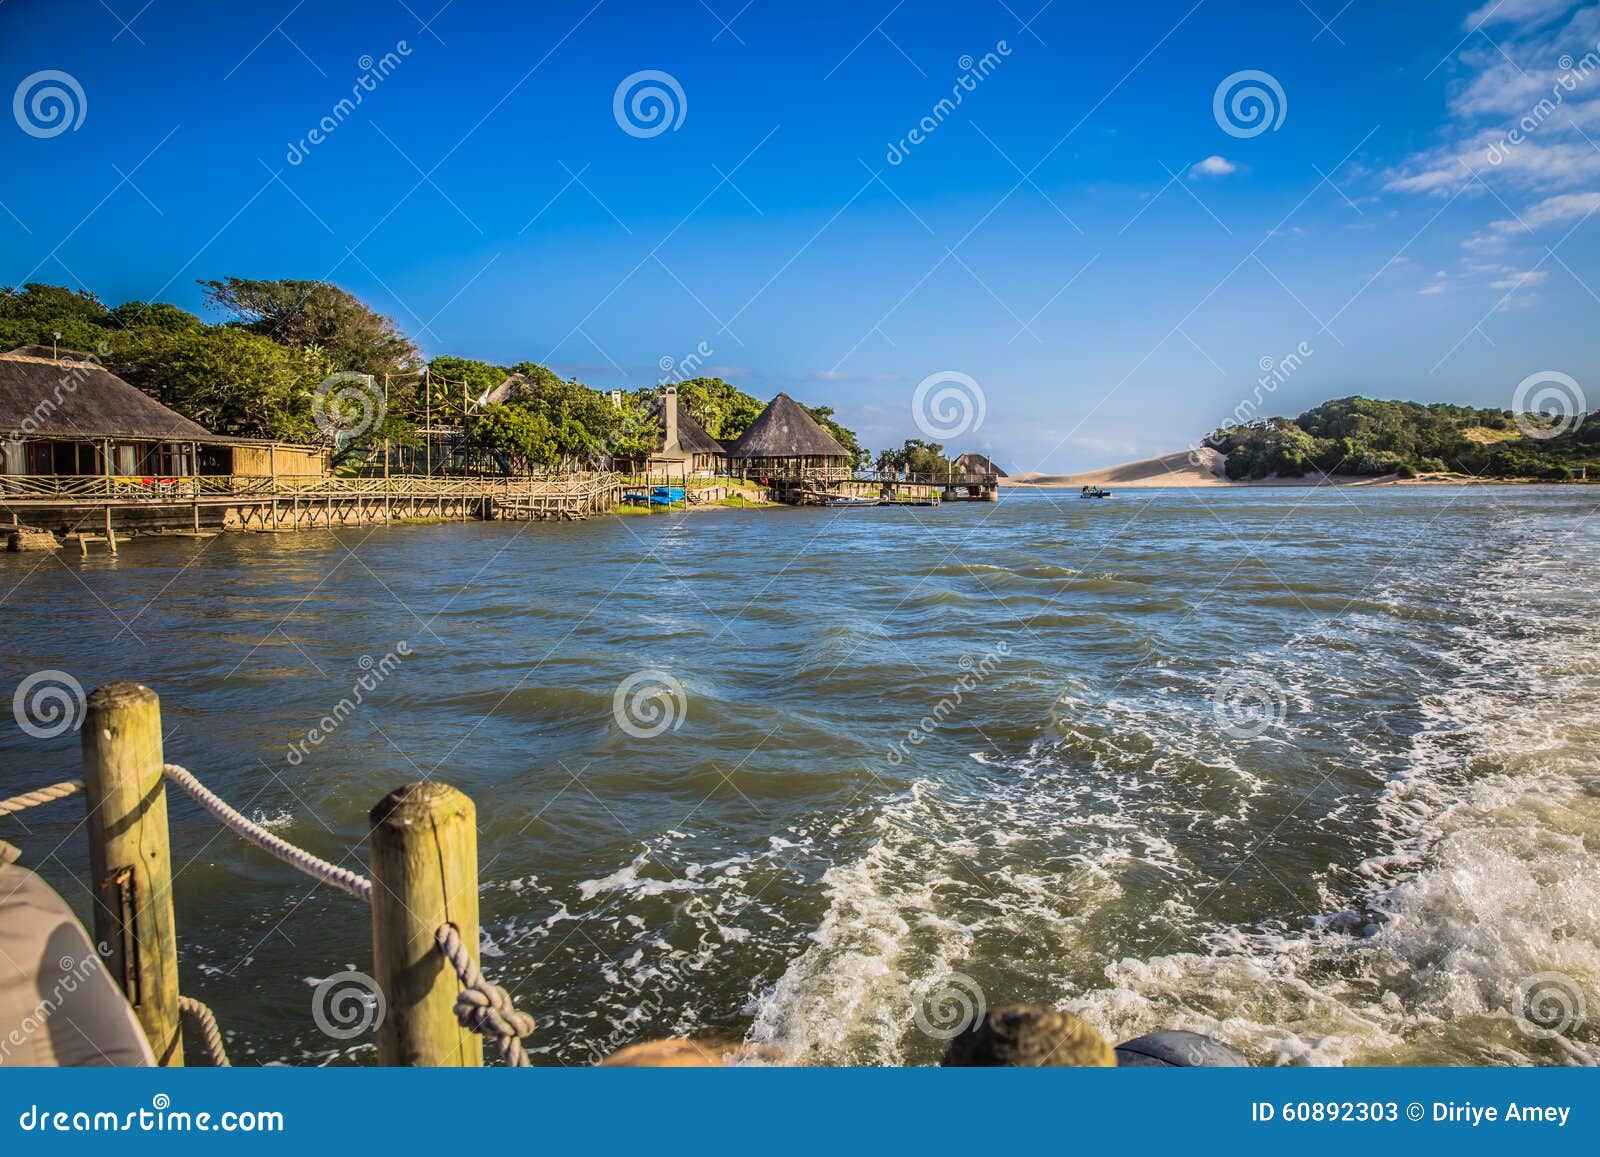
(1202, 467)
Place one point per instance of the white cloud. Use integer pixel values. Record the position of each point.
(1555, 210)
(1521, 280)
(1530, 12)
(1213, 166)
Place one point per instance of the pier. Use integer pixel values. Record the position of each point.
(105, 506)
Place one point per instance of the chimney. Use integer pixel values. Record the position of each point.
(669, 417)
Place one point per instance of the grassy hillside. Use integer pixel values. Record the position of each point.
(1360, 436)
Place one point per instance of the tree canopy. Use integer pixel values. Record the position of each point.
(1361, 436)
(263, 372)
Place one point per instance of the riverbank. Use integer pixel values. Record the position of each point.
(1204, 468)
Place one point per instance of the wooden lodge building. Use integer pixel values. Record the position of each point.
(63, 416)
(684, 449)
(785, 442)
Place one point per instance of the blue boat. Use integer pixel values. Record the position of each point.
(658, 496)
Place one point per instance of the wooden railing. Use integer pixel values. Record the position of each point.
(100, 488)
(927, 478)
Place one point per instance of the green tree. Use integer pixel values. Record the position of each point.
(228, 380)
(302, 314)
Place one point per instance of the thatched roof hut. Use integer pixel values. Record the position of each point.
(62, 413)
(69, 395)
(975, 466)
(785, 440)
(684, 444)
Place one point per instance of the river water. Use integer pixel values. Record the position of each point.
(1313, 771)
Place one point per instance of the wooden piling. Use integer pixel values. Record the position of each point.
(424, 848)
(130, 858)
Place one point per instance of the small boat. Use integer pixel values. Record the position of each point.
(842, 500)
(1093, 492)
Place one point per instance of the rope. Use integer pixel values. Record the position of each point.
(209, 1031)
(358, 886)
(483, 1007)
(30, 799)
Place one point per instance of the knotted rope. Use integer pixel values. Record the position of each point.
(485, 1008)
(30, 799)
(358, 886)
(482, 1007)
(210, 1034)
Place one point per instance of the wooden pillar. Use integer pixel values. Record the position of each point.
(424, 848)
(129, 857)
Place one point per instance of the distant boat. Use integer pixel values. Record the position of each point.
(1093, 492)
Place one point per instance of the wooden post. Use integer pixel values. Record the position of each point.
(424, 848)
(130, 859)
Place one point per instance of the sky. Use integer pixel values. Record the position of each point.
(1095, 254)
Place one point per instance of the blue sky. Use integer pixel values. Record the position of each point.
(1081, 236)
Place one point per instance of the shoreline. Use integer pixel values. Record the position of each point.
(1203, 469)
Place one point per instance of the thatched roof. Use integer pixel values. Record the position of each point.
(69, 395)
(784, 430)
(972, 463)
(692, 436)
(502, 392)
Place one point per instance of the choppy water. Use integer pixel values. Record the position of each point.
(1381, 848)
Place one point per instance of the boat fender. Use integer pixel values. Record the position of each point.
(1178, 1049)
